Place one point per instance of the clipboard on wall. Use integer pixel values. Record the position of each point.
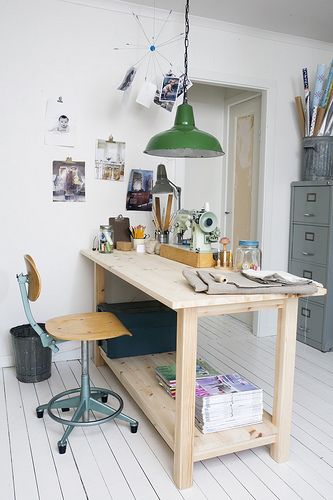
(120, 226)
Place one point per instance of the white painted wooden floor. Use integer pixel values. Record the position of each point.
(109, 462)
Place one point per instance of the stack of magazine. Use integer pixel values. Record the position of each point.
(166, 375)
(226, 401)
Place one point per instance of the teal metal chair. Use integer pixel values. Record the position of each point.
(84, 327)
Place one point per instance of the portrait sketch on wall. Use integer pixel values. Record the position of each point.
(60, 123)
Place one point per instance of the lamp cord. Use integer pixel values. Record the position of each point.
(186, 43)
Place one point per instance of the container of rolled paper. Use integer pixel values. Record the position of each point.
(317, 161)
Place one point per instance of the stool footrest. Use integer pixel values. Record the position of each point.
(90, 403)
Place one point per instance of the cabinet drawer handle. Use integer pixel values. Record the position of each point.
(309, 215)
(307, 330)
(308, 254)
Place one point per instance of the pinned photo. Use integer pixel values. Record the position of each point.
(168, 105)
(146, 94)
(69, 181)
(59, 123)
(110, 160)
(169, 90)
(139, 195)
(128, 79)
(181, 85)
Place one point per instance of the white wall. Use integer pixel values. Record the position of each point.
(203, 176)
(51, 48)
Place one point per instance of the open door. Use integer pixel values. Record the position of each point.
(241, 207)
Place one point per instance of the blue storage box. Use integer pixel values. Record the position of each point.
(152, 324)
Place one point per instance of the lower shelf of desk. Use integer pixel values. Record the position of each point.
(137, 375)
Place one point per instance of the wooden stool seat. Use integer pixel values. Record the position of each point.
(86, 326)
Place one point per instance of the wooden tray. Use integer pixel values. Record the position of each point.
(186, 256)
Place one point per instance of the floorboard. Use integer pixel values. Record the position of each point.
(109, 463)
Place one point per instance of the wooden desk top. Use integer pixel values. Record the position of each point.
(162, 279)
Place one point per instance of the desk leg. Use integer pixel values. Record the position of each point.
(284, 378)
(185, 400)
(99, 296)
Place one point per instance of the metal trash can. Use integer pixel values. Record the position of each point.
(32, 360)
(317, 161)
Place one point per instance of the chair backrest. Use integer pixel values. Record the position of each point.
(34, 281)
(30, 287)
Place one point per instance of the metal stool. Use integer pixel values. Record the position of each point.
(84, 327)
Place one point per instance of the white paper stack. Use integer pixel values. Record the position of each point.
(227, 401)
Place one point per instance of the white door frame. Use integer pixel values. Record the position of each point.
(266, 321)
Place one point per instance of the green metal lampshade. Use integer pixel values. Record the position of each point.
(184, 140)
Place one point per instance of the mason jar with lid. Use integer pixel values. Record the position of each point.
(248, 255)
(105, 239)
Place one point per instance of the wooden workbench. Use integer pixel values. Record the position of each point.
(162, 280)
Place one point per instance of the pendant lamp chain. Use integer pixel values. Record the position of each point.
(184, 139)
(186, 43)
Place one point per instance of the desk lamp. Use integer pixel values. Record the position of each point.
(164, 185)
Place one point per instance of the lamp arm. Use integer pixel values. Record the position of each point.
(178, 190)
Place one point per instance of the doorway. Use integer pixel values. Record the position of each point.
(243, 115)
(231, 183)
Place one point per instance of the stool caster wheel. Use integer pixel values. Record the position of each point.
(62, 447)
(134, 428)
(65, 409)
(40, 413)
(104, 398)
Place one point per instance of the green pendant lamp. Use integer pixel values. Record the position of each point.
(184, 139)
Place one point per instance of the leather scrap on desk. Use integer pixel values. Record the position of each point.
(238, 284)
(278, 277)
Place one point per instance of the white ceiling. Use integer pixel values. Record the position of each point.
(307, 18)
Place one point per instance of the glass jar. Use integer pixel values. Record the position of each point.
(248, 255)
(105, 239)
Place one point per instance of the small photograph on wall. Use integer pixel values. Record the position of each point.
(110, 160)
(139, 196)
(168, 105)
(128, 79)
(69, 181)
(60, 123)
(181, 85)
(169, 88)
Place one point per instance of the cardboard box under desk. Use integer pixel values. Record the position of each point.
(152, 324)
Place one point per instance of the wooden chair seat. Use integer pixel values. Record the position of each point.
(86, 326)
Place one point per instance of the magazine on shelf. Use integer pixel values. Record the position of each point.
(167, 373)
(226, 401)
(225, 425)
(227, 387)
(229, 410)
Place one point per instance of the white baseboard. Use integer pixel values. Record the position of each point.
(6, 361)
(67, 355)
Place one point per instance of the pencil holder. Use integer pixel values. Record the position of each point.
(139, 245)
(162, 236)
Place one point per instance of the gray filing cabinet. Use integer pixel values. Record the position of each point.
(311, 256)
